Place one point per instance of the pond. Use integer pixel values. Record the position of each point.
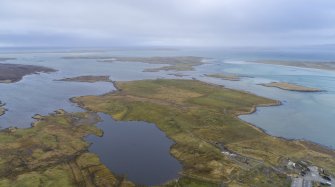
(135, 149)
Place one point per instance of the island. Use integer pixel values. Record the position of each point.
(223, 76)
(212, 143)
(88, 78)
(311, 64)
(10, 73)
(175, 63)
(291, 87)
(2, 108)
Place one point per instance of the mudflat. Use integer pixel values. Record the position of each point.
(10, 73)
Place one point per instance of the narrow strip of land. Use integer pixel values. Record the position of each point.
(87, 78)
(223, 76)
(314, 65)
(291, 87)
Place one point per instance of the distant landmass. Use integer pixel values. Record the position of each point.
(302, 64)
(10, 73)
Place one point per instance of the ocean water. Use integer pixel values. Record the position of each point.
(308, 116)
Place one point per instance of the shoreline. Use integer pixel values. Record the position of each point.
(12, 73)
(299, 145)
(236, 115)
(291, 87)
(254, 109)
(313, 65)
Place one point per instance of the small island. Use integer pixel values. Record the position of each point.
(2, 108)
(291, 87)
(88, 78)
(223, 76)
(10, 73)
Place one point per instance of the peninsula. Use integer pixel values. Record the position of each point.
(10, 73)
(291, 87)
(211, 142)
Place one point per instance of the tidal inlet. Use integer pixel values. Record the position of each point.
(170, 94)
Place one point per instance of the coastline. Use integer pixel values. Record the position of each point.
(290, 87)
(252, 110)
(324, 66)
(12, 73)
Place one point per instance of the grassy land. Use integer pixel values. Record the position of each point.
(291, 87)
(202, 120)
(53, 153)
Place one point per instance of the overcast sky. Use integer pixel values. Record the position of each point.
(95, 23)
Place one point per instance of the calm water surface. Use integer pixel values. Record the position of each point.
(135, 149)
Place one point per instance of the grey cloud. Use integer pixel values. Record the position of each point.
(171, 23)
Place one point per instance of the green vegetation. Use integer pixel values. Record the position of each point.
(291, 87)
(229, 77)
(54, 153)
(213, 145)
